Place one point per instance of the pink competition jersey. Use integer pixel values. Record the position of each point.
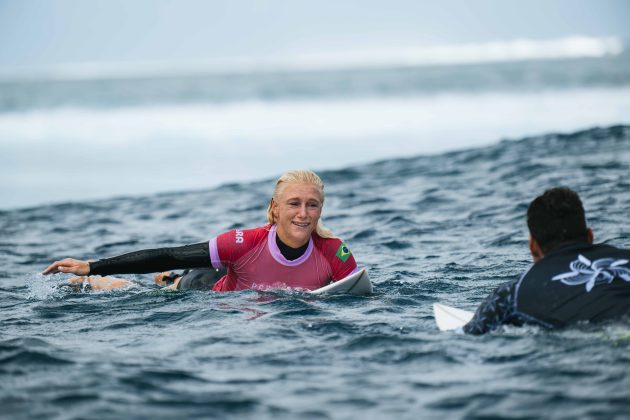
(254, 261)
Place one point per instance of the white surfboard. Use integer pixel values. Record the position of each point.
(449, 318)
(355, 284)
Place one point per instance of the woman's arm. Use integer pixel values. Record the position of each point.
(145, 261)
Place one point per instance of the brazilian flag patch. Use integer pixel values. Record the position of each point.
(343, 253)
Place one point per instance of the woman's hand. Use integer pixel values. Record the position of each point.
(69, 265)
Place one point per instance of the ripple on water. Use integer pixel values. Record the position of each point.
(445, 228)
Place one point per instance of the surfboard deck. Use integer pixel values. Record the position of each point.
(355, 284)
(449, 318)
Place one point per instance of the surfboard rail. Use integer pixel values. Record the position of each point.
(355, 284)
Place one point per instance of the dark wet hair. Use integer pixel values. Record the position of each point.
(557, 217)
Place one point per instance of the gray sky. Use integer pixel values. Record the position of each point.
(42, 32)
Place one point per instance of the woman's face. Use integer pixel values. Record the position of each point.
(296, 213)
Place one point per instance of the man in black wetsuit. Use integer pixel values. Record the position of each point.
(571, 279)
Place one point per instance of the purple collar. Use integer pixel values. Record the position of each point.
(277, 255)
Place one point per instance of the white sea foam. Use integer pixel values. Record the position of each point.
(41, 287)
(69, 154)
(474, 53)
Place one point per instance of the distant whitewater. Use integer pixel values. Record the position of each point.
(521, 65)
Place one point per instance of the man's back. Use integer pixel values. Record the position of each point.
(579, 282)
(571, 279)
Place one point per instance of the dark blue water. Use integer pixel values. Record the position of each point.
(445, 228)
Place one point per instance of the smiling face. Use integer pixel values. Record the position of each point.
(296, 213)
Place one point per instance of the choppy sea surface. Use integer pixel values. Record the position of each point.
(444, 228)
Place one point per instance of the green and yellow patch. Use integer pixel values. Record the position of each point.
(343, 253)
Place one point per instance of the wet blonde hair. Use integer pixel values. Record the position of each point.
(299, 177)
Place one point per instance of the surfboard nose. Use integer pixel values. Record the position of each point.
(448, 318)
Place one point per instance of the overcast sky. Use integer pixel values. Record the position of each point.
(43, 32)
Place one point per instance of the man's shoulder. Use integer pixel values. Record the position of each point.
(612, 248)
(595, 251)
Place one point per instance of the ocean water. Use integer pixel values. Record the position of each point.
(448, 228)
(429, 168)
(68, 137)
